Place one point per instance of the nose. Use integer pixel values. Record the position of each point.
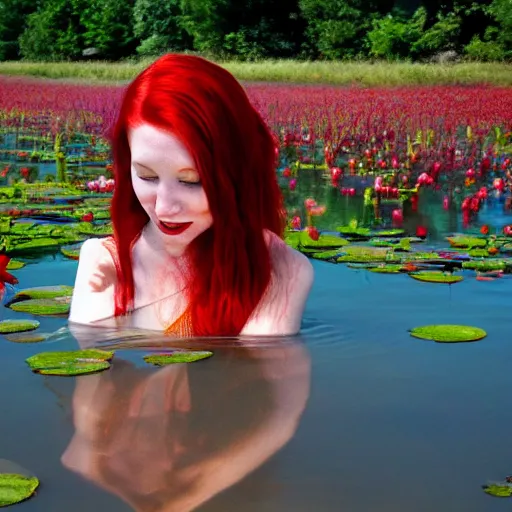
(168, 202)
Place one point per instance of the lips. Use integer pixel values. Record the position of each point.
(173, 228)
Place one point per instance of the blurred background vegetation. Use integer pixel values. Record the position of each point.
(252, 30)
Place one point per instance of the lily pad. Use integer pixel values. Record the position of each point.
(389, 232)
(448, 333)
(327, 241)
(45, 292)
(11, 326)
(364, 254)
(325, 255)
(73, 254)
(354, 231)
(77, 362)
(479, 253)
(15, 265)
(500, 490)
(26, 337)
(484, 266)
(177, 357)
(436, 277)
(466, 242)
(16, 488)
(41, 307)
(387, 269)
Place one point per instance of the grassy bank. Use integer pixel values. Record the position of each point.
(335, 73)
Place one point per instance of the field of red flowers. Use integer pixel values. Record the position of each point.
(458, 139)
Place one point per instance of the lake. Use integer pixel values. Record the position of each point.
(354, 414)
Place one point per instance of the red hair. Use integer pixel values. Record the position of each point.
(208, 110)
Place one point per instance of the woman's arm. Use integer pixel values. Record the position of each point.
(93, 295)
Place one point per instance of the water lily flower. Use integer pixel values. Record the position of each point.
(397, 217)
(5, 277)
(309, 203)
(313, 233)
(292, 184)
(296, 222)
(484, 229)
(421, 232)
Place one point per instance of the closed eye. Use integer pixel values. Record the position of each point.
(147, 178)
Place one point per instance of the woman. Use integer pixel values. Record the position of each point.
(197, 215)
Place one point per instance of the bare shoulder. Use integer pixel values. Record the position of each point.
(291, 267)
(280, 312)
(93, 294)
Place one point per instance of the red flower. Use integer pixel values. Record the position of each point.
(484, 229)
(87, 217)
(5, 277)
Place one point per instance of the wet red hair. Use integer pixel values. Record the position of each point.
(208, 110)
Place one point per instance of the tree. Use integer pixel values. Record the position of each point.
(159, 27)
(108, 26)
(54, 31)
(13, 17)
(336, 29)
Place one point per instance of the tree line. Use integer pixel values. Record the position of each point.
(56, 30)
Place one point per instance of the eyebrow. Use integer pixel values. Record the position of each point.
(138, 164)
(141, 165)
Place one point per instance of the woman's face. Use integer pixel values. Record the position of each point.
(167, 185)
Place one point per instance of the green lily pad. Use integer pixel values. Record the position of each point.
(389, 232)
(16, 488)
(45, 292)
(421, 256)
(177, 357)
(362, 266)
(484, 266)
(387, 269)
(11, 326)
(503, 490)
(436, 277)
(35, 245)
(326, 241)
(354, 231)
(71, 253)
(41, 307)
(364, 254)
(466, 242)
(26, 337)
(76, 362)
(15, 265)
(478, 253)
(448, 333)
(325, 255)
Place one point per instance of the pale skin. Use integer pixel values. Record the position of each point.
(168, 187)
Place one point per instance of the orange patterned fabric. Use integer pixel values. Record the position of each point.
(182, 326)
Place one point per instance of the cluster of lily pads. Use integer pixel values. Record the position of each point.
(54, 300)
(391, 251)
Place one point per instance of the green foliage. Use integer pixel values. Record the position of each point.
(51, 30)
(442, 36)
(108, 27)
(13, 18)
(160, 27)
(392, 36)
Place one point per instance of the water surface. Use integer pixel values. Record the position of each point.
(352, 415)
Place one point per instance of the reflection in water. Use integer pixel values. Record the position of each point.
(172, 438)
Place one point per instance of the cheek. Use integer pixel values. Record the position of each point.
(145, 195)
